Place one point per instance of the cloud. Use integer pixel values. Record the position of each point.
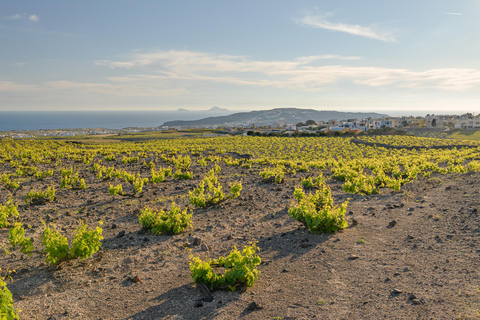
(181, 72)
(17, 87)
(453, 13)
(302, 73)
(321, 22)
(31, 17)
(123, 89)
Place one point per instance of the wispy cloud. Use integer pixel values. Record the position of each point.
(18, 16)
(453, 13)
(302, 73)
(17, 87)
(177, 72)
(321, 22)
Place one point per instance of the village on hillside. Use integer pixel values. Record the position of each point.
(468, 121)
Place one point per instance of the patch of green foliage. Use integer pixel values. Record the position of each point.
(209, 192)
(85, 243)
(173, 221)
(275, 174)
(72, 181)
(240, 269)
(16, 238)
(7, 311)
(115, 190)
(37, 197)
(316, 211)
(6, 211)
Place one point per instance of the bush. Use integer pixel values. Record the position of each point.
(6, 211)
(209, 191)
(16, 238)
(7, 311)
(183, 175)
(40, 197)
(274, 174)
(240, 269)
(173, 221)
(85, 243)
(115, 190)
(72, 181)
(316, 211)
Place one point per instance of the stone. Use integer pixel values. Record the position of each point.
(136, 279)
(253, 306)
(392, 223)
(196, 242)
(198, 304)
(396, 291)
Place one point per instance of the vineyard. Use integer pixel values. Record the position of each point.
(198, 227)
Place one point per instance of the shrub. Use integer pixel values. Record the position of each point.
(85, 243)
(72, 181)
(235, 189)
(16, 238)
(5, 179)
(316, 211)
(240, 269)
(173, 221)
(274, 174)
(183, 175)
(130, 159)
(160, 175)
(209, 192)
(110, 157)
(40, 197)
(182, 163)
(6, 211)
(7, 311)
(138, 184)
(115, 190)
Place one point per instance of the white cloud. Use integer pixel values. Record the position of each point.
(453, 13)
(127, 89)
(31, 17)
(302, 73)
(15, 86)
(321, 22)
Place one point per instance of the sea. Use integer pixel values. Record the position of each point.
(24, 120)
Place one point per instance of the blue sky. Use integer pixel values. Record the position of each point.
(398, 57)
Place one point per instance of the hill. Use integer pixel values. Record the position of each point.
(274, 116)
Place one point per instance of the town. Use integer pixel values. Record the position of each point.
(412, 124)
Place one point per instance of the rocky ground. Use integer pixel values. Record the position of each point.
(411, 254)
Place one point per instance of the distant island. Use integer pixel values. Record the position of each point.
(213, 109)
(273, 116)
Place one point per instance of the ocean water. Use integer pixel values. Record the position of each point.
(12, 120)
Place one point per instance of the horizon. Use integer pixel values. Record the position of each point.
(395, 58)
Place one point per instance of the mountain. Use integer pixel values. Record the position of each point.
(218, 109)
(274, 116)
(211, 110)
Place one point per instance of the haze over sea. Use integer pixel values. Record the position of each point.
(34, 120)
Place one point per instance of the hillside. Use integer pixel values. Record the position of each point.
(274, 116)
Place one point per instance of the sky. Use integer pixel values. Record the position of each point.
(397, 57)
